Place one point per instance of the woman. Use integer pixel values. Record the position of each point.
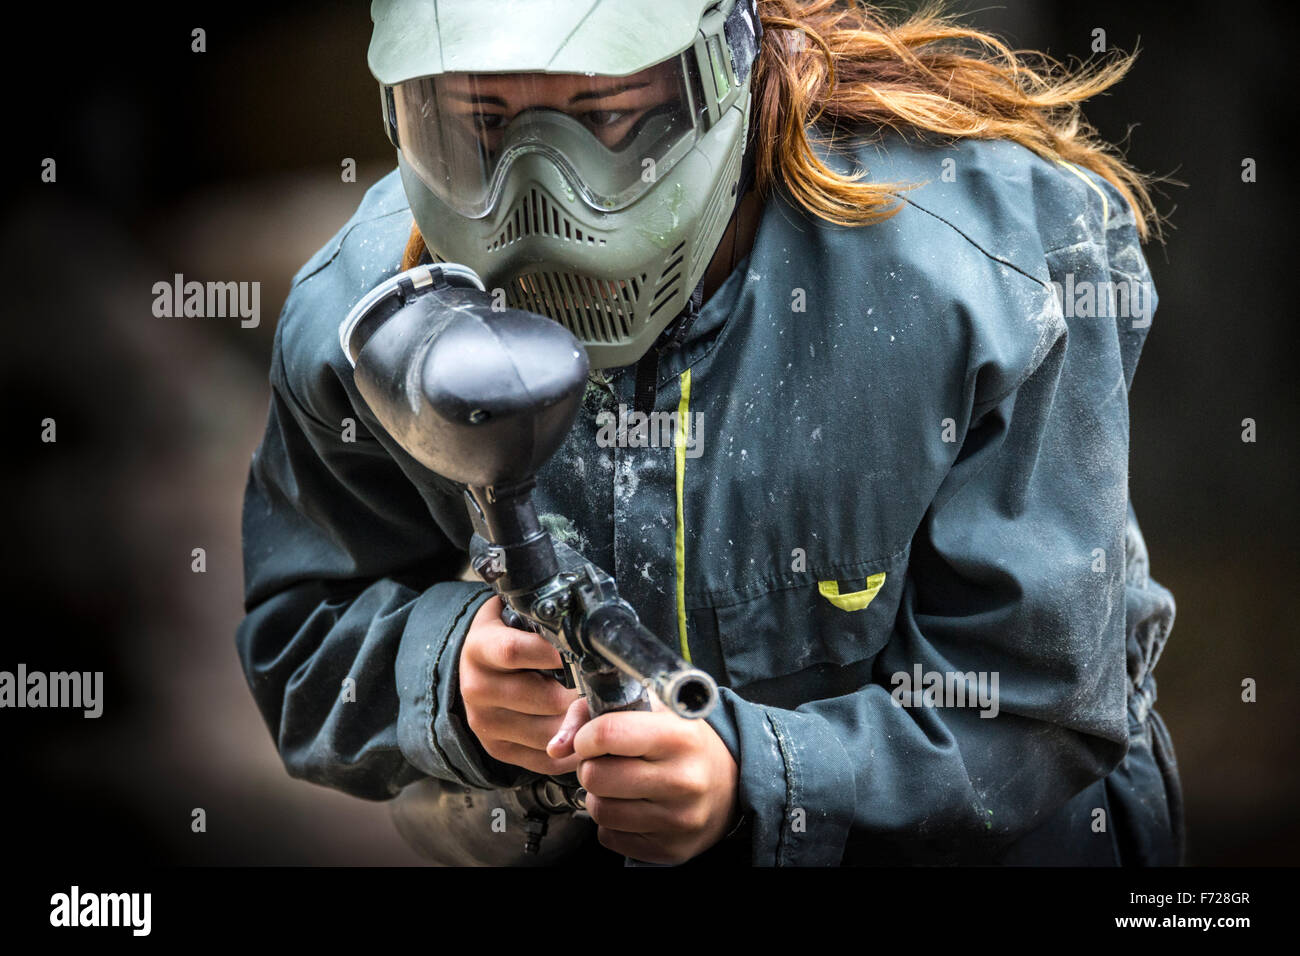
(897, 282)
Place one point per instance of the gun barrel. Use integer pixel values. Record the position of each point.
(616, 634)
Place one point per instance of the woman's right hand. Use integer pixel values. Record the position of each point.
(516, 711)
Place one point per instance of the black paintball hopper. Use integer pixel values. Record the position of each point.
(481, 395)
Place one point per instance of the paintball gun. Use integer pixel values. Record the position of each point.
(484, 396)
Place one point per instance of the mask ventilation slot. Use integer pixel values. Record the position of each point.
(535, 215)
(594, 310)
(670, 281)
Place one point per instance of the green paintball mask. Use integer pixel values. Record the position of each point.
(583, 157)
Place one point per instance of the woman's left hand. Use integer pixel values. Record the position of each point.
(660, 788)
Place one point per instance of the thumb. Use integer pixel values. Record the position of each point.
(561, 744)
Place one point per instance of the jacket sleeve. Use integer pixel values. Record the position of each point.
(1017, 572)
(355, 616)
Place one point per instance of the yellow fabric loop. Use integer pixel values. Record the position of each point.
(856, 601)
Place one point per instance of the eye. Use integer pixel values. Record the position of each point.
(487, 122)
(601, 119)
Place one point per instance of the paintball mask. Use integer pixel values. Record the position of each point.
(583, 157)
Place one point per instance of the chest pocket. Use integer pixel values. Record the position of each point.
(831, 621)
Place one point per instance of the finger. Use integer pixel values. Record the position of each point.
(504, 648)
(526, 692)
(530, 759)
(629, 816)
(561, 745)
(489, 612)
(632, 734)
(508, 725)
(626, 778)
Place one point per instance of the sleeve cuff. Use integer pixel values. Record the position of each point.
(431, 730)
(796, 781)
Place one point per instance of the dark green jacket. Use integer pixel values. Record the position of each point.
(913, 459)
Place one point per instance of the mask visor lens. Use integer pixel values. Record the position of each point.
(611, 137)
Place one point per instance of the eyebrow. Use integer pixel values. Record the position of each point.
(612, 91)
(480, 99)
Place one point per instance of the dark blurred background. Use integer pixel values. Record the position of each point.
(225, 165)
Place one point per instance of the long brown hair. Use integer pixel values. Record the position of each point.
(839, 65)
